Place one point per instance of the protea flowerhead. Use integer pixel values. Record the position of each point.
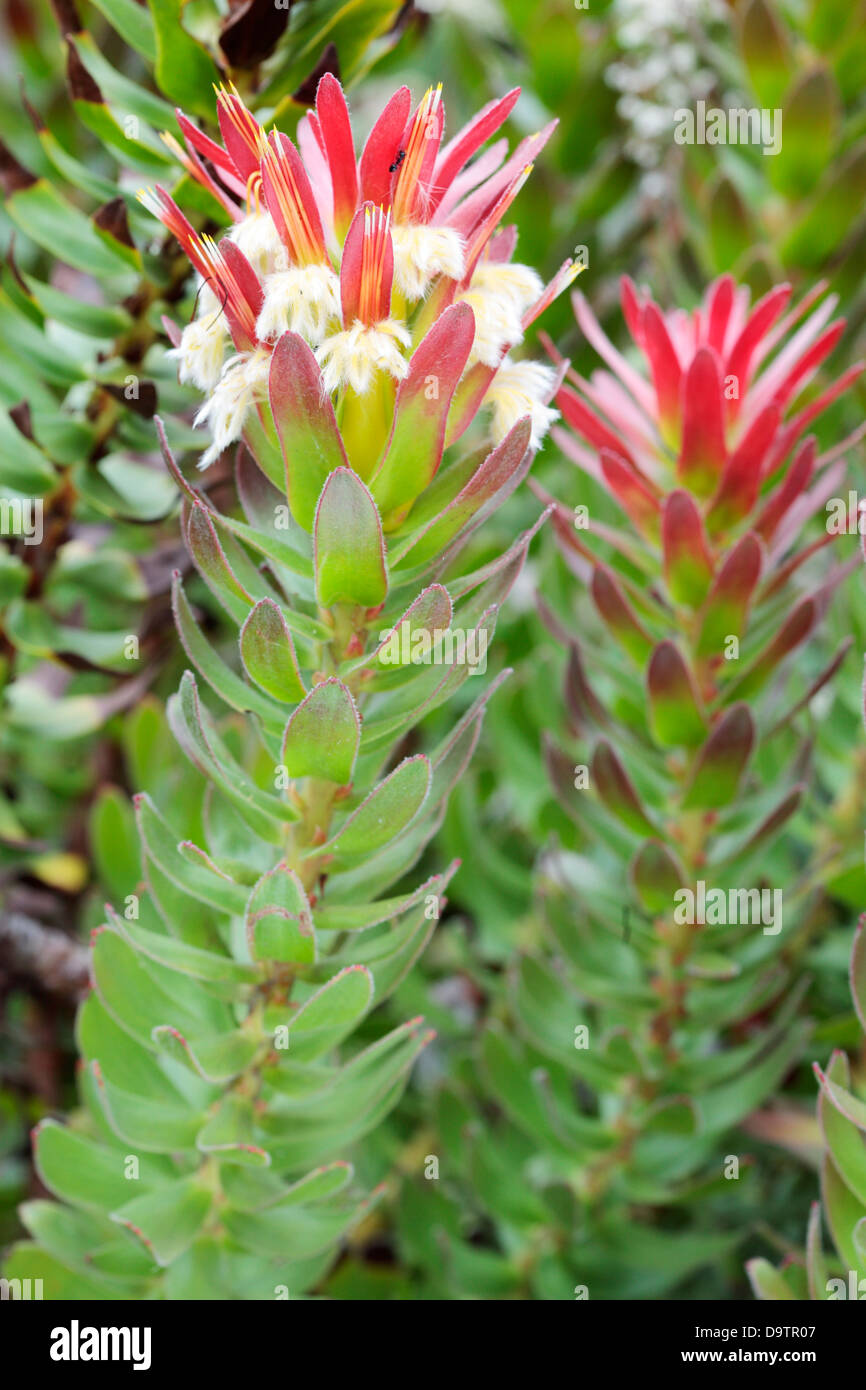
(383, 265)
(704, 450)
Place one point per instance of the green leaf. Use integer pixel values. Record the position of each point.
(263, 811)
(268, 653)
(385, 813)
(810, 122)
(59, 1282)
(278, 922)
(147, 1125)
(720, 763)
(323, 735)
(168, 1220)
(227, 684)
(656, 876)
(86, 1174)
(767, 1282)
(187, 867)
(414, 449)
(830, 214)
(53, 223)
(843, 1211)
(23, 467)
(292, 1230)
(183, 68)
(767, 52)
(617, 791)
(330, 1014)
(132, 22)
(228, 1134)
(675, 717)
(349, 549)
(141, 997)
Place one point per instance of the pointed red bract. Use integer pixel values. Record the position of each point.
(339, 149)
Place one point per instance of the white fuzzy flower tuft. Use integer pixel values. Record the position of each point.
(243, 382)
(499, 294)
(303, 299)
(422, 252)
(258, 238)
(353, 356)
(518, 389)
(202, 346)
(208, 304)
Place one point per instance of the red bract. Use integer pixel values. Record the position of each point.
(701, 444)
(710, 410)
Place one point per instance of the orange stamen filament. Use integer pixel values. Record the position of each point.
(254, 192)
(377, 230)
(304, 248)
(224, 277)
(244, 123)
(406, 191)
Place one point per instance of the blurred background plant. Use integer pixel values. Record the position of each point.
(84, 286)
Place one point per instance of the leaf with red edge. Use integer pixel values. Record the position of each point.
(741, 480)
(323, 735)
(656, 876)
(768, 828)
(168, 1219)
(795, 481)
(721, 762)
(278, 921)
(609, 599)
(585, 710)
(414, 450)
(675, 716)
(268, 653)
(858, 971)
(793, 632)
(688, 567)
(306, 425)
(702, 452)
(212, 563)
(843, 1212)
(588, 424)
(501, 471)
(633, 494)
(385, 813)
(348, 546)
(617, 791)
(727, 606)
